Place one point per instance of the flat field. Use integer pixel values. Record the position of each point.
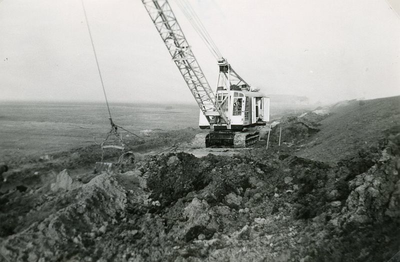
(33, 129)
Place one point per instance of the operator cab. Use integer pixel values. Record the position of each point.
(243, 108)
(242, 105)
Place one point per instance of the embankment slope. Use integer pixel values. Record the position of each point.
(352, 125)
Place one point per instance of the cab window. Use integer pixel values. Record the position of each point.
(237, 106)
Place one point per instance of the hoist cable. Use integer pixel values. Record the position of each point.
(113, 125)
(130, 132)
(97, 61)
(194, 25)
(191, 15)
(197, 24)
(204, 30)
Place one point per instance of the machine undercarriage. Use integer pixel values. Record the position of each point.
(226, 138)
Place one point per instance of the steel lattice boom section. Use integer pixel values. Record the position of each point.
(171, 33)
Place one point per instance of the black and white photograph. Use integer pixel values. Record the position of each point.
(200, 130)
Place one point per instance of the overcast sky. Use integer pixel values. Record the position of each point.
(328, 50)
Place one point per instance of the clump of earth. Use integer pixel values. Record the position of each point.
(280, 204)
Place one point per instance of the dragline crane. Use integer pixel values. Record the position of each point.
(234, 108)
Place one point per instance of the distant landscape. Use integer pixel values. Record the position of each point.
(32, 128)
(35, 128)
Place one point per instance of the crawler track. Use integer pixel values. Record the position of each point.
(245, 139)
(226, 139)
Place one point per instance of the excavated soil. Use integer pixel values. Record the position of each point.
(330, 192)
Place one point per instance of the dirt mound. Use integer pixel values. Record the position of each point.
(175, 207)
(352, 126)
(295, 129)
(172, 176)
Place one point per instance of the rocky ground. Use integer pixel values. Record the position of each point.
(330, 200)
